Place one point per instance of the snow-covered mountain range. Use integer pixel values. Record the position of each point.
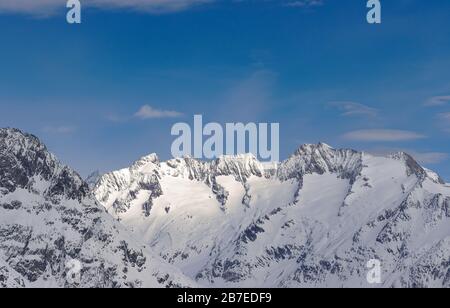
(48, 218)
(314, 220)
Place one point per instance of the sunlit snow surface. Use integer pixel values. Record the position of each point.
(313, 220)
(48, 217)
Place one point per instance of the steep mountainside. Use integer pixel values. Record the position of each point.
(315, 219)
(93, 178)
(49, 218)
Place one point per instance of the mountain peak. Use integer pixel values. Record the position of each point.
(146, 163)
(93, 178)
(16, 141)
(323, 212)
(413, 167)
(48, 217)
(309, 148)
(246, 157)
(26, 163)
(321, 158)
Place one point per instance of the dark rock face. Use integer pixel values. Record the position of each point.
(13, 205)
(24, 159)
(9, 278)
(48, 218)
(320, 159)
(251, 233)
(93, 179)
(68, 185)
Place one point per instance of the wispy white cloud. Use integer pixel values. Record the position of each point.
(148, 112)
(443, 121)
(354, 109)
(380, 135)
(304, 3)
(48, 7)
(45, 8)
(444, 116)
(437, 101)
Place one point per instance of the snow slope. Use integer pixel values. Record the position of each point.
(48, 217)
(315, 219)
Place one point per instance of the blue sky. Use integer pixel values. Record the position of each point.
(319, 69)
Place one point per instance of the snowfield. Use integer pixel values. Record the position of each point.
(314, 220)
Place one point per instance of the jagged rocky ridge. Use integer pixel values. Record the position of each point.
(312, 220)
(48, 217)
(92, 179)
(315, 219)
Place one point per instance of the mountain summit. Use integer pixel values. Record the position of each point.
(315, 219)
(49, 220)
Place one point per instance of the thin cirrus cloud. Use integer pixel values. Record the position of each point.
(49, 7)
(148, 112)
(438, 101)
(354, 109)
(382, 135)
(444, 121)
(304, 3)
(45, 8)
(444, 116)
